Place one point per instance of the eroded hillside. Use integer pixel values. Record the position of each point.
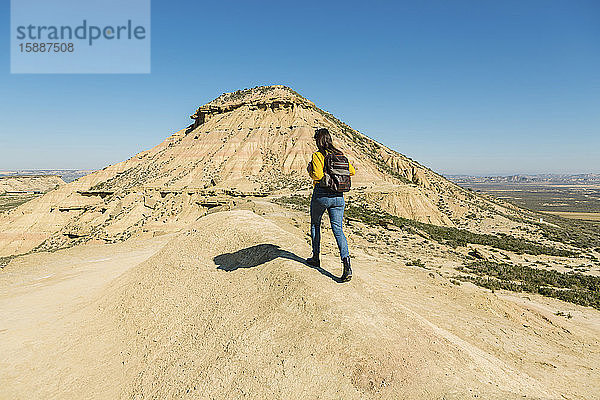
(254, 142)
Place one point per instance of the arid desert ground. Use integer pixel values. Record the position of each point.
(180, 273)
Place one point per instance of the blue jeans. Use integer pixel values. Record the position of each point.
(324, 199)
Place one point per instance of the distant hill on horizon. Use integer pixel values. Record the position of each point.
(585, 178)
(67, 175)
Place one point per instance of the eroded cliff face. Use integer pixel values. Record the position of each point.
(254, 142)
(263, 98)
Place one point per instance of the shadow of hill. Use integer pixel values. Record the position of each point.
(260, 254)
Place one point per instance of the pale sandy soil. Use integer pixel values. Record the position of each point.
(226, 309)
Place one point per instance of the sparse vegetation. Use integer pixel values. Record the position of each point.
(241, 94)
(572, 287)
(5, 260)
(456, 237)
(563, 314)
(416, 263)
(8, 202)
(295, 201)
(578, 233)
(571, 231)
(446, 235)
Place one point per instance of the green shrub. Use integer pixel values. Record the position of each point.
(5, 260)
(442, 234)
(295, 201)
(416, 263)
(577, 233)
(453, 236)
(563, 314)
(571, 287)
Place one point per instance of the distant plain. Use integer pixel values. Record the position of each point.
(566, 197)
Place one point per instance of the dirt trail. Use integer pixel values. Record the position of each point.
(42, 287)
(44, 295)
(226, 309)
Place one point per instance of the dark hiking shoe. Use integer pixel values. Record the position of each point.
(347, 274)
(313, 261)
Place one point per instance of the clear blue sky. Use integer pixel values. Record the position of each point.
(461, 86)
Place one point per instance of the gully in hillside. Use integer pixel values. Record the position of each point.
(330, 171)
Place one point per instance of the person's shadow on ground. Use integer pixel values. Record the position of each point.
(260, 254)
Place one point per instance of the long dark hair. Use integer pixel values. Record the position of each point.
(325, 143)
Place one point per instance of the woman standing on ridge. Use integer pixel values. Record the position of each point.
(324, 198)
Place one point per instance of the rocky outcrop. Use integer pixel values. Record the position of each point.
(271, 98)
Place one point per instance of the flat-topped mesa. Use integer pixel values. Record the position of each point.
(259, 98)
(29, 183)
